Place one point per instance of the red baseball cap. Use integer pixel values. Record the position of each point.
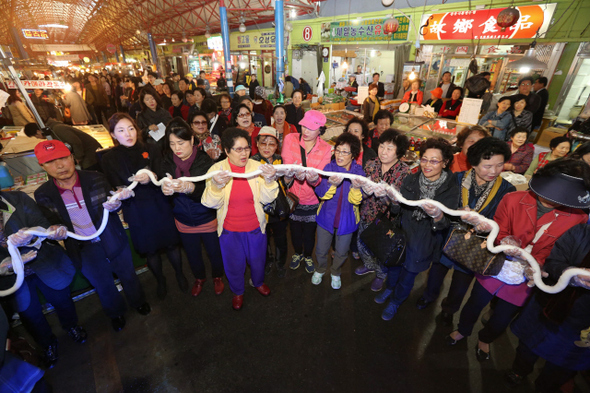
(313, 120)
(51, 150)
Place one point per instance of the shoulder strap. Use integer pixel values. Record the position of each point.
(493, 193)
(303, 155)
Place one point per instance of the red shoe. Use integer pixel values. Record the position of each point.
(198, 287)
(264, 290)
(237, 302)
(219, 286)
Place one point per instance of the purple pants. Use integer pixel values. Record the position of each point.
(239, 248)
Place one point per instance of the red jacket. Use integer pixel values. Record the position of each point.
(517, 216)
(419, 97)
(183, 110)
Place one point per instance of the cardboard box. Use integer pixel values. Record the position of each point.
(549, 133)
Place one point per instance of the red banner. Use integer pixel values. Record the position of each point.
(482, 24)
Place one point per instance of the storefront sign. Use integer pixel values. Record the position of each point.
(307, 33)
(111, 48)
(461, 50)
(502, 49)
(482, 24)
(215, 43)
(256, 39)
(38, 84)
(63, 58)
(62, 48)
(35, 34)
(364, 30)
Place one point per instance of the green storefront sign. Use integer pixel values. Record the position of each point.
(364, 30)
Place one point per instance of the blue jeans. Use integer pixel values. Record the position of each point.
(33, 319)
(401, 281)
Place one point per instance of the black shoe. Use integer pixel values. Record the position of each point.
(512, 379)
(182, 282)
(162, 291)
(481, 355)
(78, 334)
(50, 354)
(447, 319)
(268, 269)
(144, 309)
(281, 272)
(450, 340)
(422, 303)
(118, 323)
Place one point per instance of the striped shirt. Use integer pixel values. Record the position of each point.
(77, 210)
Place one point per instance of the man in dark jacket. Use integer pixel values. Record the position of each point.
(540, 87)
(380, 86)
(83, 145)
(44, 108)
(75, 199)
(446, 85)
(51, 273)
(253, 85)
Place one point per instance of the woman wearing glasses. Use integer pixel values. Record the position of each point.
(338, 214)
(241, 221)
(209, 143)
(195, 222)
(243, 119)
(423, 226)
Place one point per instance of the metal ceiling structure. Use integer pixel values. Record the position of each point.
(127, 22)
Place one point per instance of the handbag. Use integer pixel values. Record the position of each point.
(467, 249)
(386, 240)
(512, 272)
(280, 207)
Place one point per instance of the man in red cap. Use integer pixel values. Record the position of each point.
(75, 199)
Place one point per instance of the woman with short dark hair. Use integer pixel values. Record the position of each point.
(205, 140)
(521, 117)
(450, 109)
(559, 147)
(359, 128)
(465, 139)
(178, 108)
(371, 105)
(521, 151)
(152, 114)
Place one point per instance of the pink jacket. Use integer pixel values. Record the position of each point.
(517, 216)
(318, 158)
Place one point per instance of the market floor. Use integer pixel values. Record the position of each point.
(303, 338)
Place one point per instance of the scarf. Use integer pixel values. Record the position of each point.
(427, 191)
(202, 137)
(484, 193)
(183, 167)
(249, 129)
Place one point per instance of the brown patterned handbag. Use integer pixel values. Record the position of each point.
(470, 251)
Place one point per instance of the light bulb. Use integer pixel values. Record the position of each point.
(345, 65)
(524, 70)
(68, 87)
(242, 28)
(412, 76)
(208, 34)
(293, 13)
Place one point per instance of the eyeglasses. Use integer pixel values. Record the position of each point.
(431, 162)
(200, 123)
(342, 153)
(268, 144)
(240, 150)
(244, 115)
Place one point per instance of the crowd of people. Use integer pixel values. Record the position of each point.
(243, 222)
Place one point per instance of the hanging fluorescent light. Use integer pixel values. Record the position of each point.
(528, 62)
(55, 26)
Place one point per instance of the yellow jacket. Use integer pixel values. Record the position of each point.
(262, 192)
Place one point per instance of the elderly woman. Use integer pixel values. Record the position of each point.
(532, 220)
(521, 151)
(435, 100)
(337, 215)
(310, 150)
(414, 95)
(465, 139)
(269, 153)
(207, 142)
(244, 120)
(279, 115)
(371, 105)
(500, 120)
(295, 112)
(423, 226)
(482, 189)
(359, 128)
(195, 222)
(383, 120)
(521, 116)
(450, 109)
(241, 221)
(560, 146)
(149, 213)
(388, 168)
(151, 115)
(226, 107)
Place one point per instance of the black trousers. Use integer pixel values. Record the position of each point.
(99, 110)
(303, 237)
(460, 283)
(33, 319)
(552, 376)
(278, 231)
(499, 321)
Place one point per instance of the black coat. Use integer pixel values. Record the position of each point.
(552, 340)
(425, 237)
(149, 212)
(368, 154)
(538, 115)
(84, 146)
(52, 265)
(294, 115)
(188, 208)
(450, 90)
(96, 189)
(380, 90)
(252, 88)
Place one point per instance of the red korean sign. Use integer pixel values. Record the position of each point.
(482, 24)
(35, 34)
(41, 84)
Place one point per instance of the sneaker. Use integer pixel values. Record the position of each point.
(377, 284)
(362, 270)
(78, 334)
(309, 265)
(389, 312)
(336, 282)
(356, 255)
(383, 296)
(295, 261)
(50, 354)
(512, 379)
(316, 279)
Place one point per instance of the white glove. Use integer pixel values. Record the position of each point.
(57, 232)
(112, 206)
(300, 174)
(312, 176)
(6, 264)
(20, 238)
(142, 178)
(123, 193)
(335, 180)
(380, 190)
(269, 173)
(221, 179)
(528, 273)
(357, 183)
(167, 186)
(184, 187)
(391, 195)
(431, 210)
